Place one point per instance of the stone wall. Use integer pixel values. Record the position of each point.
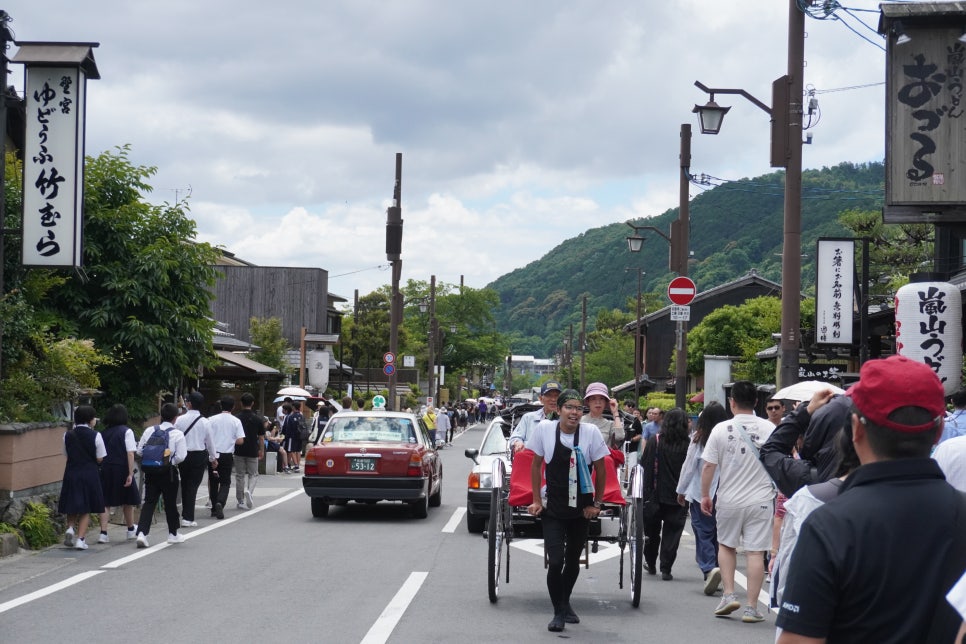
(31, 465)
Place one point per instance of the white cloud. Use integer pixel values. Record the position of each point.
(520, 124)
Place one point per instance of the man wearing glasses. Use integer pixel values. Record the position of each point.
(775, 410)
(548, 398)
(569, 448)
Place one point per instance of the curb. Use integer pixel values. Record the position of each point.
(8, 544)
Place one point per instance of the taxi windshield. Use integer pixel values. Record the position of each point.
(369, 428)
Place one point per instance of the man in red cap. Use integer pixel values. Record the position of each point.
(875, 563)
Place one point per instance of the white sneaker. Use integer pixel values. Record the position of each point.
(188, 524)
(132, 533)
(175, 538)
(249, 501)
(69, 538)
(80, 544)
(103, 538)
(143, 541)
(241, 506)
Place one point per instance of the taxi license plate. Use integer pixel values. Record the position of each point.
(362, 465)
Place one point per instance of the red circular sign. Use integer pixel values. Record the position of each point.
(389, 357)
(681, 291)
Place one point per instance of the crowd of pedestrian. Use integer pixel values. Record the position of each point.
(812, 495)
(175, 454)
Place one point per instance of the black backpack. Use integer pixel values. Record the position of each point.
(153, 457)
(304, 430)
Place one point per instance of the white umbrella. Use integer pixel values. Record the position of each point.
(805, 390)
(281, 398)
(294, 391)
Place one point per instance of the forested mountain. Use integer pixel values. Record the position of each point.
(735, 227)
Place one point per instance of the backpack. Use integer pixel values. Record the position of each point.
(155, 457)
(304, 430)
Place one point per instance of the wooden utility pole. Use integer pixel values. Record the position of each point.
(394, 230)
(583, 343)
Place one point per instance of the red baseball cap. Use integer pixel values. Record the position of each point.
(897, 381)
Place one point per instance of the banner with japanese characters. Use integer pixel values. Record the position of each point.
(53, 184)
(925, 122)
(834, 288)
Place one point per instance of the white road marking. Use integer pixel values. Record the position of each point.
(386, 622)
(117, 563)
(454, 521)
(49, 590)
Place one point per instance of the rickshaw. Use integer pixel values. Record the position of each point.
(512, 493)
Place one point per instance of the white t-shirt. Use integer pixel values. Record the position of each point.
(544, 436)
(743, 480)
(951, 456)
(957, 596)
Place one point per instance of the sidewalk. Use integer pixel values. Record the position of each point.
(28, 564)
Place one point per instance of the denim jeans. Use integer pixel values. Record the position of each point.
(705, 530)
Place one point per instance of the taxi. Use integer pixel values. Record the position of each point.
(372, 456)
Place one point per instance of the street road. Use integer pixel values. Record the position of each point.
(365, 574)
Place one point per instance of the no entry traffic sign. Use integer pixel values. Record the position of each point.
(681, 291)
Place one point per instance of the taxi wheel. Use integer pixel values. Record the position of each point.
(421, 507)
(320, 509)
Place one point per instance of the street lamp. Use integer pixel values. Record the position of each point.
(786, 151)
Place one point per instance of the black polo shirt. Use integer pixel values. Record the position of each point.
(870, 564)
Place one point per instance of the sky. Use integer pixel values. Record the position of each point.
(521, 124)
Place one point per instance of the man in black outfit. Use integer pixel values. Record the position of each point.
(568, 447)
(874, 564)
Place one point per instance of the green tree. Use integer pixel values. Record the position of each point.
(266, 334)
(610, 351)
(895, 250)
(366, 332)
(737, 331)
(42, 363)
(144, 294)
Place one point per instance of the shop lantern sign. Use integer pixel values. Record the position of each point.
(55, 85)
(834, 288)
(929, 329)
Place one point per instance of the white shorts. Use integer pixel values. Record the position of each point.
(750, 526)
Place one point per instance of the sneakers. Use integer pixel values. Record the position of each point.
(712, 581)
(132, 533)
(729, 603)
(249, 501)
(69, 538)
(80, 544)
(241, 506)
(103, 538)
(666, 576)
(218, 511)
(751, 616)
(176, 538)
(557, 623)
(651, 570)
(295, 470)
(143, 540)
(188, 524)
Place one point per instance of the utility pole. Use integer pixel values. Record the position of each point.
(583, 343)
(5, 38)
(792, 242)
(431, 338)
(681, 252)
(394, 230)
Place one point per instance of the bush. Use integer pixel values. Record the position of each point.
(38, 527)
(6, 528)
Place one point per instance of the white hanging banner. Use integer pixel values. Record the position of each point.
(929, 329)
(53, 166)
(834, 288)
(318, 368)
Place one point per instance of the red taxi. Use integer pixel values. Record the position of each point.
(371, 456)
